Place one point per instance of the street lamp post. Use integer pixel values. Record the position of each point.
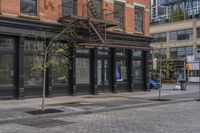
(160, 76)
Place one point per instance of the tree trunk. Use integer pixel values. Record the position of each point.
(44, 84)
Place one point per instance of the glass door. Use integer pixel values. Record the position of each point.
(103, 74)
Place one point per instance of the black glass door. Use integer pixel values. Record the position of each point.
(103, 75)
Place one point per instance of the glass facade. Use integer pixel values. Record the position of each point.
(82, 70)
(28, 7)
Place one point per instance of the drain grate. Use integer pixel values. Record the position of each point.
(44, 123)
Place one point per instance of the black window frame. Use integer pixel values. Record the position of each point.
(178, 35)
(35, 11)
(159, 37)
(140, 9)
(122, 55)
(121, 24)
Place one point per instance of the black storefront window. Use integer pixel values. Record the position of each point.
(58, 78)
(103, 51)
(7, 60)
(82, 51)
(31, 77)
(28, 7)
(82, 70)
(137, 71)
(6, 69)
(137, 53)
(103, 66)
(32, 59)
(121, 70)
(103, 72)
(6, 43)
(58, 75)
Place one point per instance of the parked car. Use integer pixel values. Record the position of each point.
(153, 84)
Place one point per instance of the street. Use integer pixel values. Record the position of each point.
(172, 118)
(109, 113)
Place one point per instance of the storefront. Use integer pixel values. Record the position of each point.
(104, 69)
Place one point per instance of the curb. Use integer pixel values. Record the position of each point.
(54, 115)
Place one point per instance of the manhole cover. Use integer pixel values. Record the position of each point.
(46, 111)
(44, 123)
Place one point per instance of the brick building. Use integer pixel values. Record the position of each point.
(119, 48)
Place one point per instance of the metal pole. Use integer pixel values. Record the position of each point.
(185, 70)
(199, 81)
(160, 76)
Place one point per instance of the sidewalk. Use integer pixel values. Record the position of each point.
(11, 110)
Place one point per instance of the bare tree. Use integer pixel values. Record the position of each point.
(55, 51)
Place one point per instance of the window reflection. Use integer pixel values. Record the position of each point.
(6, 69)
(82, 70)
(28, 7)
(121, 70)
(32, 77)
(137, 70)
(103, 72)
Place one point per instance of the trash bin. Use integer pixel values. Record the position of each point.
(183, 84)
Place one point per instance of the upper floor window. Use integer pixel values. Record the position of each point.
(198, 32)
(119, 14)
(159, 37)
(139, 19)
(28, 7)
(181, 35)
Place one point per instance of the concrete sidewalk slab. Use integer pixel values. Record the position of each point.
(16, 109)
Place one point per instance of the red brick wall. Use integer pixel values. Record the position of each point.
(50, 10)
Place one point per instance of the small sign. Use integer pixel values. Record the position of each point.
(188, 66)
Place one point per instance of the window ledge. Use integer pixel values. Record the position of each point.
(139, 33)
(28, 16)
(119, 29)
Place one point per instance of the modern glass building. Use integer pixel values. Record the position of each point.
(176, 33)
